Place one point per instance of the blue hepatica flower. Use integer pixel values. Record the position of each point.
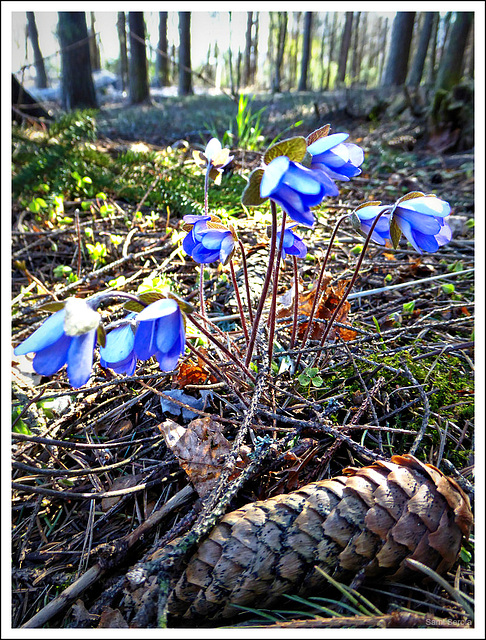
(335, 160)
(208, 239)
(160, 333)
(66, 337)
(294, 187)
(292, 244)
(118, 353)
(421, 218)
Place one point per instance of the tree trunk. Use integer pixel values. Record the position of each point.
(77, 88)
(345, 42)
(401, 39)
(431, 73)
(254, 58)
(248, 43)
(384, 39)
(185, 75)
(161, 61)
(450, 70)
(94, 50)
(364, 46)
(294, 53)
(325, 36)
(306, 51)
(355, 57)
(331, 50)
(137, 70)
(415, 75)
(279, 54)
(40, 70)
(121, 27)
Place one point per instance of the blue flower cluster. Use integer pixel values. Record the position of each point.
(208, 239)
(69, 337)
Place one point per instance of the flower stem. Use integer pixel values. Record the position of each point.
(202, 302)
(350, 285)
(317, 294)
(247, 282)
(273, 305)
(268, 277)
(238, 300)
(296, 302)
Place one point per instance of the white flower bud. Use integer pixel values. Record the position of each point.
(80, 318)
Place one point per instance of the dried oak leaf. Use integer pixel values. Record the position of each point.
(201, 449)
(123, 482)
(191, 373)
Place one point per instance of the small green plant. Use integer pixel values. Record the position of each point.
(310, 377)
(64, 271)
(448, 288)
(408, 307)
(36, 204)
(97, 252)
(81, 182)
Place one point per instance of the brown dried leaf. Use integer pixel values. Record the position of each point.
(112, 619)
(123, 482)
(191, 373)
(201, 449)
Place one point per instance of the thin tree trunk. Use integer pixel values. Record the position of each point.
(254, 57)
(279, 54)
(295, 49)
(401, 39)
(77, 88)
(384, 39)
(137, 70)
(417, 69)
(431, 74)
(446, 22)
(40, 70)
(364, 45)
(94, 50)
(185, 75)
(331, 50)
(355, 57)
(325, 36)
(121, 27)
(345, 42)
(161, 61)
(450, 70)
(248, 43)
(306, 51)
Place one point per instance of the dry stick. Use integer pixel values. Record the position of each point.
(296, 302)
(247, 283)
(268, 277)
(318, 287)
(273, 305)
(238, 300)
(92, 575)
(351, 284)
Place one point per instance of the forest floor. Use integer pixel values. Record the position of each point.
(98, 201)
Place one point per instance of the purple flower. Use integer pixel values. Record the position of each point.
(421, 219)
(292, 244)
(335, 160)
(294, 187)
(66, 337)
(118, 353)
(208, 239)
(160, 333)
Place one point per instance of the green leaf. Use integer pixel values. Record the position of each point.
(377, 324)
(131, 305)
(294, 148)
(52, 306)
(448, 288)
(395, 233)
(251, 194)
(304, 380)
(465, 555)
(312, 371)
(101, 334)
(318, 134)
(317, 381)
(408, 307)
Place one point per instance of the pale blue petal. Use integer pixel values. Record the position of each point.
(119, 344)
(330, 189)
(204, 256)
(326, 143)
(419, 221)
(158, 309)
(444, 236)
(227, 248)
(429, 205)
(192, 219)
(273, 175)
(356, 154)
(48, 333)
(167, 331)
(53, 357)
(188, 244)
(212, 239)
(144, 344)
(212, 149)
(80, 358)
(371, 211)
(302, 180)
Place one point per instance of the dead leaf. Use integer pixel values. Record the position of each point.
(191, 373)
(112, 619)
(119, 429)
(201, 449)
(81, 614)
(123, 482)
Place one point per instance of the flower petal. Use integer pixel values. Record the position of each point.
(49, 360)
(212, 149)
(144, 344)
(167, 332)
(119, 344)
(80, 358)
(429, 205)
(158, 309)
(204, 256)
(302, 180)
(213, 238)
(273, 175)
(419, 221)
(227, 248)
(426, 242)
(47, 334)
(328, 142)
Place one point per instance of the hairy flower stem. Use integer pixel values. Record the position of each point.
(222, 347)
(202, 302)
(317, 294)
(247, 282)
(95, 300)
(273, 305)
(238, 300)
(206, 190)
(350, 285)
(266, 284)
(296, 302)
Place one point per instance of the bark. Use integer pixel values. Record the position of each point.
(417, 69)
(355, 58)
(161, 60)
(431, 75)
(294, 53)
(248, 45)
(137, 70)
(401, 39)
(345, 42)
(282, 19)
(331, 50)
(306, 51)
(384, 38)
(94, 50)
(121, 27)
(185, 75)
(450, 70)
(40, 70)
(77, 88)
(254, 59)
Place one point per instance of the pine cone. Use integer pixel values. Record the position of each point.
(367, 521)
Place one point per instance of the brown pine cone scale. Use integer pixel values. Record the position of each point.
(367, 521)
